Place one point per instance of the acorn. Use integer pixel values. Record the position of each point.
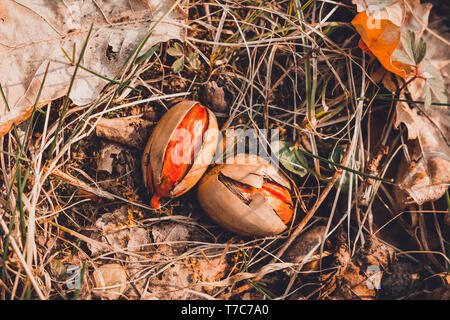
(180, 149)
(248, 196)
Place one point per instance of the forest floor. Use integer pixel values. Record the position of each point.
(290, 66)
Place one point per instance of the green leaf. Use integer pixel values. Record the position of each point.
(77, 291)
(402, 57)
(194, 61)
(435, 81)
(336, 156)
(146, 55)
(285, 152)
(419, 51)
(415, 50)
(408, 40)
(178, 65)
(176, 50)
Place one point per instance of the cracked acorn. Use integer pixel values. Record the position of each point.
(179, 150)
(248, 196)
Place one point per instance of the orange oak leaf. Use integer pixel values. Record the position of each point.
(364, 48)
(383, 26)
(381, 37)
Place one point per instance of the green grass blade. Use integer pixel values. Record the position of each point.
(66, 100)
(82, 273)
(344, 168)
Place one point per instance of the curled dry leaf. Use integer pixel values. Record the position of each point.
(372, 6)
(428, 175)
(119, 230)
(170, 240)
(51, 26)
(110, 275)
(171, 237)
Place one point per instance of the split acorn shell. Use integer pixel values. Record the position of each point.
(226, 208)
(156, 151)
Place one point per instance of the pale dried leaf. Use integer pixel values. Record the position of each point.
(396, 12)
(372, 6)
(26, 48)
(172, 284)
(212, 269)
(427, 177)
(170, 237)
(110, 275)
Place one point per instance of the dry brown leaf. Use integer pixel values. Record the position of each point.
(211, 270)
(171, 283)
(108, 153)
(183, 276)
(428, 175)
(133, 132)
(117, 230)
(214, 96)
(354, 278)
(110, 275)
(26, 48)
(171, 237)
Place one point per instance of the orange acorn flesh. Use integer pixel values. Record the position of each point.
(277, 196)
(180, 152)
(279, 199)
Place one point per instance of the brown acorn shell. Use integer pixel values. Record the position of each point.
(155, 150)
(228, 210)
